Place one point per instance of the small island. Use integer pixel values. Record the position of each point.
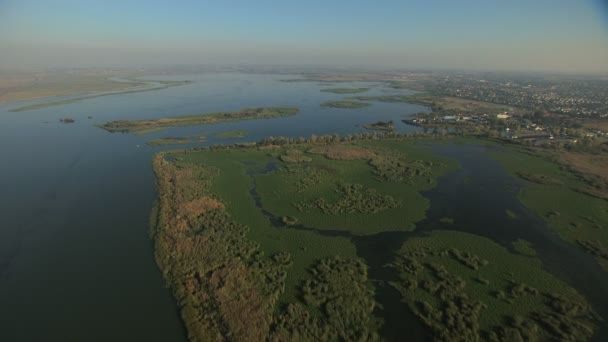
(199, 120)
(380, 126)
(345, 104)
(345, 90)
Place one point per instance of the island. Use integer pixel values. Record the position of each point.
(198, 120)
(380, 126)
(329, 238)
(345, 90)
(345, 104)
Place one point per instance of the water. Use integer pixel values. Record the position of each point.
(76, 262)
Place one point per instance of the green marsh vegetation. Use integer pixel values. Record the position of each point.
(201, 119)
(467, 288)
(231, 134)
(380, 126)
(523, 247)
(245, 262)
(345, 104)
(176, 141)
(569, 200)
(345, 90)
(147, 131)
(291, 283)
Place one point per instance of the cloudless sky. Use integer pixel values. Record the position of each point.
(562, 35)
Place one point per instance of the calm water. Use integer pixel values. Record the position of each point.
(76, 262)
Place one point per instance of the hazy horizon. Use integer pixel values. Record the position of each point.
(545, 36)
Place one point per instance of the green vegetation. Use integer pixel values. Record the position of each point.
(569, 200)
(523, 247)
(196, 120)
(258, 243)
(231, 134)
(147, 131)
(381, 126)
(466, 288)
(345, 104)
(175, 141)
(345, 90)
(291, 283)
(443, 104)
(295, 156)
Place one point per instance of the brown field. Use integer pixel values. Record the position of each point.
(343, 152)
(460, 104)
(595, 165)
(602, 126)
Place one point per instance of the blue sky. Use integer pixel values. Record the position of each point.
(564, 35)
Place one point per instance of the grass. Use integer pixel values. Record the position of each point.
(465, 287)
(231, 134)
(223, 256)
(148, 131)
(345, 104)
(524, 247)
(197, 120)
(312, 204)
(380, 126)
(556, 194)
(345, 90)
(257, 244)
(175, 141)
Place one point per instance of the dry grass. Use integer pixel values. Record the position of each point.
(602, 126)
(595, 165)
(28, 86)
(193, 209)
(343, 152)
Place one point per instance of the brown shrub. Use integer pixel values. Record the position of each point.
(343, 152)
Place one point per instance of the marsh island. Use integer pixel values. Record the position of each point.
(200, 119)
(330, 238)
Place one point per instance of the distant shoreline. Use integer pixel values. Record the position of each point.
(148, 86)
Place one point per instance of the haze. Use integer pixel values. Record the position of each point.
(547, 35)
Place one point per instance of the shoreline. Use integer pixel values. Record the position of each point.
(150, 86)
(135, 85)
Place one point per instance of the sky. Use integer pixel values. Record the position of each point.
(539, 35)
